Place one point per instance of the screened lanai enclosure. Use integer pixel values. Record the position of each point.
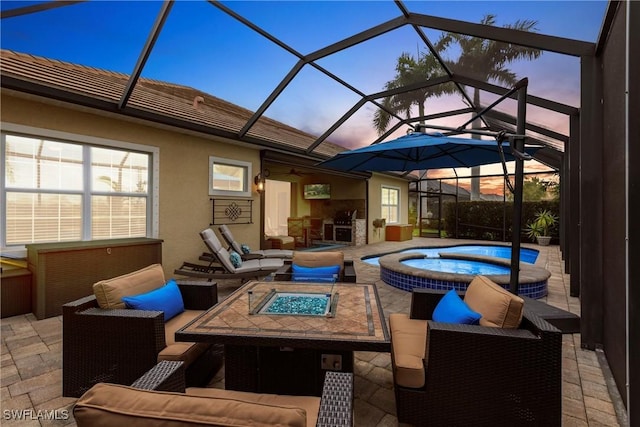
(435, 204)
(304, 81)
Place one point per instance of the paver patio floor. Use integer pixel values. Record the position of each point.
(31, 357)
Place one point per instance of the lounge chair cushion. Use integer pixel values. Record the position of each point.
(166, 298)
(257, 265)
(228, 236)
(109, 292)
(245, 249)
(408, 343)
(451, 309)
(274, 253)
(318, 259)
(110, 404)
(498, 307)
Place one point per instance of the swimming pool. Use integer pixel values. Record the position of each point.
(526, 255)
(457, 266)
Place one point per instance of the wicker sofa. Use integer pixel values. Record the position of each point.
(500, 372)
(318, 259)
(159, 398)
(103, 341)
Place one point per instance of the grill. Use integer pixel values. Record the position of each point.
(343, 223)
(344, 218)
(343, 233)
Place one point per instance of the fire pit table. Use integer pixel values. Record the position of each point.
(282, 337)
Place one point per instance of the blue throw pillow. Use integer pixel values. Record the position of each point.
(314, 274)
(245, 249)
(167, 298)
(452, 309)
(236, 259)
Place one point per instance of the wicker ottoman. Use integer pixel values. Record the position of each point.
(282, 242)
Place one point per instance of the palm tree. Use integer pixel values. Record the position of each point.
(410, 70)
(487, 60)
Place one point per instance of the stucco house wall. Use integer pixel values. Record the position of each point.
(376, 182)
(184, 201)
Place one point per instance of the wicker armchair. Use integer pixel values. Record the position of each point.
(335, 406)
(483, 376)
(119, 345)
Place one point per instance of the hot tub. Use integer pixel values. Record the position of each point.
(396, 269)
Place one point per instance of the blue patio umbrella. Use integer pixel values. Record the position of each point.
(419, 151)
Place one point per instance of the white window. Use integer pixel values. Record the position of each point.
(119, 193)
(57, 190)
(390, 204)
(229, 177)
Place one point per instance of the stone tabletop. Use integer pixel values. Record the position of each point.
(358, 322)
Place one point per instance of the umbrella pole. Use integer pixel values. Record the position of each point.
(518, 144)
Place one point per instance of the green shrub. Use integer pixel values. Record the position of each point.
(482, 220)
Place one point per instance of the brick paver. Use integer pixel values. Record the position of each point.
(31, 361)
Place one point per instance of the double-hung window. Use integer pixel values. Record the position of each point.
(390, 204)
(57, 190)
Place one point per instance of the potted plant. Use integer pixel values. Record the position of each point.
(539, 228)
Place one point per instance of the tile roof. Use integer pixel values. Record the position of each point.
(160, 98)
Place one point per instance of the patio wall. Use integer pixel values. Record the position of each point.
(184, 205)
(375, 202)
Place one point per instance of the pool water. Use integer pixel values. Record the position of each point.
(526, 255)
(457, 266)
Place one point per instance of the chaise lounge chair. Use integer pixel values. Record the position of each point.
(221, 267)
(266, 253)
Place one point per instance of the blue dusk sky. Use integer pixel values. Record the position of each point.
(203, 47)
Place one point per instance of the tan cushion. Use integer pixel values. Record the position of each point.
(498, 307)
(187, 352)
(109, 292)
(178, 322)
(310, 404)
(318, 259)
(111, 405)
(408, 342)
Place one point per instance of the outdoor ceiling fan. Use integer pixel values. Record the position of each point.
(297, 172)
(294, 172)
